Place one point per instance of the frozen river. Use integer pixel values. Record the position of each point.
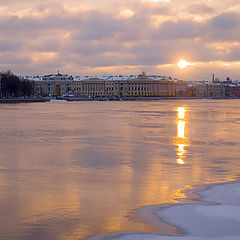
(70, 170)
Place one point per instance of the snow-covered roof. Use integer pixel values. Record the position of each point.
(95, 78)
(31, 78)
(57, 76)
(121, 78)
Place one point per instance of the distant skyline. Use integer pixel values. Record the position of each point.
(92, 37)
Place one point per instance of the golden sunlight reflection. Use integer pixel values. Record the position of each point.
(180, 153)
(181, 112)
(179, 193)
(181, 140)
(181, 129)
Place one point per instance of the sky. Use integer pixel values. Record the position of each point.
(103, 37)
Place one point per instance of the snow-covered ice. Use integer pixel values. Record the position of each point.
(218, 221)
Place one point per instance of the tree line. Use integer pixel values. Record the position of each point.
(12, 86)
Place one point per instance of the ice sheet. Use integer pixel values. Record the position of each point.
(203, 222)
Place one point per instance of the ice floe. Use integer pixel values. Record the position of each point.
(218, 221)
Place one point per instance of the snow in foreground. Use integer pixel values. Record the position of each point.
(201, 222)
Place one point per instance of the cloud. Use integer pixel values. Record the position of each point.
(177, 30)
(10, 45)
(51, 36)
(97, 25)
(224, 27)
(200, 8)
(44, 44)
(233, 54)
(164, 10)
(225, 21)
(11, 58)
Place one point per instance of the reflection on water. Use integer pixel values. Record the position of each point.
(181, 129)
(180, 154)
(72, 170)
(181, 112)
(181, 141)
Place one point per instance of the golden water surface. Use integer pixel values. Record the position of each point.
(69, 170)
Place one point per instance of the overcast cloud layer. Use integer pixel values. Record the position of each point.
(86, 37)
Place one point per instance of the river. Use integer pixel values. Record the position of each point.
(70, 170)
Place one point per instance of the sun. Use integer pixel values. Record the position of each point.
(182, 64)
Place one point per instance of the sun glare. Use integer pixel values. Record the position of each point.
(181, 112)
(182, 64)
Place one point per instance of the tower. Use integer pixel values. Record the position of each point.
(213, 78)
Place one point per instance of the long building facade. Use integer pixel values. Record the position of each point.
(130, 86)
(109, 86)
(121, 86)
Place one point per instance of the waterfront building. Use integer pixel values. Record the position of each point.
(191, 91)
(233, 91)
(130, 87)
(206, 89)
(52, 85)
(104, 86)
(89, 86)
(215, 90)
(180, 88)
(133, 86)
(124, 86)
(201, 89)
